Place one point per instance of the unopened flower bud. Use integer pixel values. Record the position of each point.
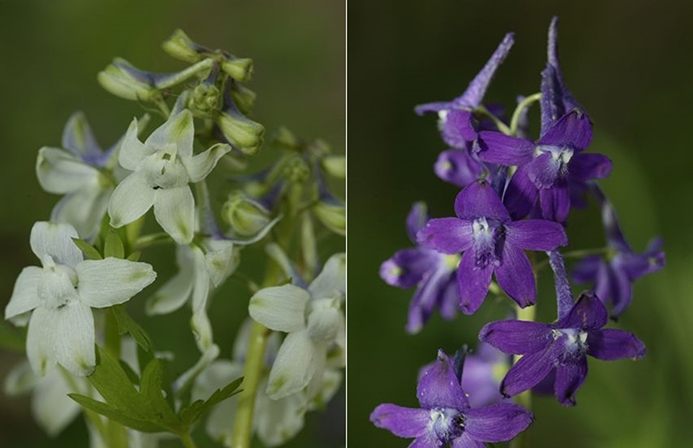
(123, 80)
(240, 69)
(205, 97)
(332, 214)
(245, 216)
(243, 97)
(242, 132)
(284, 137)
(335, 166)
(180, 46)
(296, 170)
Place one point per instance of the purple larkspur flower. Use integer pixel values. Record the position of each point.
(562, 347)
(432, 272)
(491, 242)
(445, 416)
(613, 274)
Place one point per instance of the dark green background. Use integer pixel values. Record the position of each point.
(51, 52)
(629, 65)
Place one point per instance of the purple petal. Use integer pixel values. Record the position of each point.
(505, 149)
(458, 167)
(497, 423)
(449, 300)
(407, 267)
(611, 344)
(435, 283)
(517, 337)
(473, 282)
(457, 128)
(521, 193)
(478, 380)
(447, 235)
(587, 313)
(545, 171)
(466, 441)
(637, 265)
(439, 387)
(564, 295)
(401, 421)
(617, 287)
(416, 219)
(433, 107)
(587, 166)
(555, 203)
(532, 368)
(573, 129)
(428, 440)
(536, 234)
(586, 269)
(569, 378)
(515, 276)
(479, 200)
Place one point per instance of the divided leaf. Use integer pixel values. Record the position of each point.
(198, 408)
(126, 324)
(87, 249)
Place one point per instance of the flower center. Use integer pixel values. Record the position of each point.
(488, 235)
(57, 284)
(446, 423)
(164, 169)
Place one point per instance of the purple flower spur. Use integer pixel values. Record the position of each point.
(445, 417)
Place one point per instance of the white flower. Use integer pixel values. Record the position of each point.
(314, 322)
(163, 167)
(76, 173)
(62, 294)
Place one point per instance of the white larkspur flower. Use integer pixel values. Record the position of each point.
(314, 322)
(77, 172)
(61, 295)
(163, 166)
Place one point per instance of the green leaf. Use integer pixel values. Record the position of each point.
(113, 247)
(88, 250)
(197, 409)
(126, 324)
(10, 339)
(150, 389)
(112, 382)
(135, 256)
(126, 418)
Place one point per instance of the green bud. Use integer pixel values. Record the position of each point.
(123, 80)
(242, 132)
(296, 170)
(243, 97)
(240, 69)
(245, 216)
(205, 97)
(332, 215)
(335, 166)
(285, 137)
(180, 46)
(320, 148)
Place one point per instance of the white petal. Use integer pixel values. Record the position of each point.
(60, 172)
(201, 165)
(55, 239)
(294, 367)
(217, 375)
(202, 329)
(279, 420)
(202, 280)
(52, 409)
(219, 423)
(331, 282)
(20, 380)
(177, 290)
(174, 210)
(84, 210)
(280, 308)
(130, 200)
(25, 294)
(78, 137)
(74, 339)
(315, 383)
(111, 281)
(178, 129)
(324, 319)
(40, 338)
(222, 260)
(132, 150)
(331, 380)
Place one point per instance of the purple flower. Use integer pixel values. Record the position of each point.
(432, 272)
(491, 242)
(446, 418)
(561, 347)
(613, 275)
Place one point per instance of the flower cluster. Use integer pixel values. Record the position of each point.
(516, 196)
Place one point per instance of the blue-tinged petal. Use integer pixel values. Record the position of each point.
(587, 313)
(574, 130)
(84, 209)
(611, 344)
(497, 147)
(535, 234)
(473, 282)
(515, 275)
(55, 240)
(532, 368)
(60, 172)
(521, 194)
(401, 421)
(569, 378)
(174, 210)
(496, 423)
(480, 200)
(517, 337)
(407, 267)
(457, 128)
(555, 203)
(447, 235)
(588, 166)
(78, 137)
(458, 167)
(439, 387)
(416, 219)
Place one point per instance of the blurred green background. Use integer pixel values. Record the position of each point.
(629, 65)
(52, 52)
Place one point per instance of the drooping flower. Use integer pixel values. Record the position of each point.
(446, 418)
(562, 347)
(491, 242)
(432, 272)
(314, 322)
(613, 274)
(61, 295)
(163, 167)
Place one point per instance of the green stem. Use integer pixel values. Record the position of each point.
(525, 398)
(499, 124)
(115, 434)
(515, 120)
(188, 440)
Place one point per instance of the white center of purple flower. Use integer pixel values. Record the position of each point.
(485, 236)
(446, 423)
(576, 340)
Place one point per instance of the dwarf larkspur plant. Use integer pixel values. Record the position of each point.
(87, 355)
(516, 195)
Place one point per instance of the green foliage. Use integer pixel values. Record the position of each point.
(198, 408)
(89, 251)
(126, 324)
(113, 247)
(10, 339)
